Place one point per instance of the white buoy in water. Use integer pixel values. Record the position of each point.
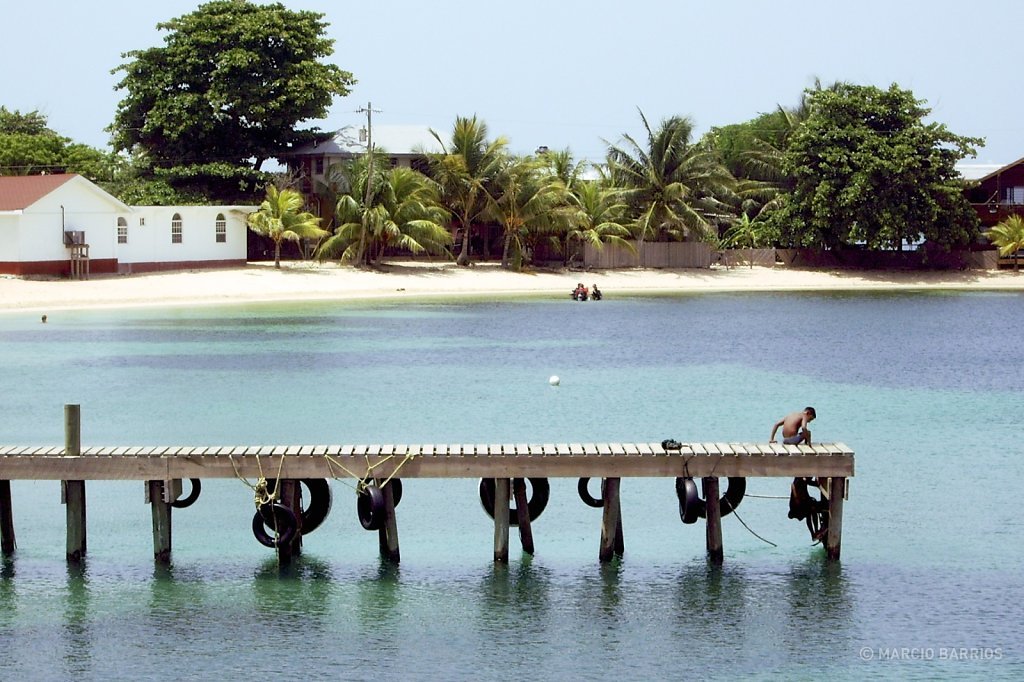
(553, 380)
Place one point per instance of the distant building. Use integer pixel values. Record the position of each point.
(996, 193)
(405, 146)
(53, 224)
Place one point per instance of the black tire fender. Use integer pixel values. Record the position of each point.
(315, 512)
(320, 500)
(693, 507)
(370, 507)
(588, 499)
(282, 517)
(535, 505)
(193, 495)
(396, 488)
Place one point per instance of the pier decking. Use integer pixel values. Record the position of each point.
(428, 461)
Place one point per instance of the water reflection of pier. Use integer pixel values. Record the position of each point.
(504, 469)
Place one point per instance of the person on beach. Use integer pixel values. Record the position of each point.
(595, 293)
(794, 427)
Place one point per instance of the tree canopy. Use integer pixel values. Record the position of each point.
(227, 90)
(868, 170)
(28, 146)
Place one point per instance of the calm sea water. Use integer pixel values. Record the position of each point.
(925, 387)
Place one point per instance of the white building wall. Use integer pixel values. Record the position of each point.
(149, 234)
(10, 241)
(72, 206)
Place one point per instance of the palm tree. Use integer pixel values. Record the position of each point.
(464, 170)
(527, 202)
(280, 217)
(745, 234)
(1008, 236)
(599, 218)
(403, 213)
(672, 186)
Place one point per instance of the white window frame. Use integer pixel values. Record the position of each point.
(176, 231)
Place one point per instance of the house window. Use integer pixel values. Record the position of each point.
(176, 228)
(122, 231)
(222, 229)
(319, 165)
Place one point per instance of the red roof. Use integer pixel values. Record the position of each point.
(18, 192)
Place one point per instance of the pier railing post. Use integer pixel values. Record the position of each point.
(7, 542)
(501, 502)
(834, 536)
(73, 495)
(714, 514)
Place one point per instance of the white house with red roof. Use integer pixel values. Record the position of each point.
(46, 220)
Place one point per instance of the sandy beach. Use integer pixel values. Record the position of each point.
(314, 281)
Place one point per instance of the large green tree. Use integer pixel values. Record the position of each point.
(464, 170)
(868, 170)
(674, 186)
(28, 146)
(227, 90)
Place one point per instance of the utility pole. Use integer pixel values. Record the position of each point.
(369, 176)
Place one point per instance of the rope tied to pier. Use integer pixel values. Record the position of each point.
(261, 492)
(364, 480)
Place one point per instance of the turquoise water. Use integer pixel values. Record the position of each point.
(925, 387)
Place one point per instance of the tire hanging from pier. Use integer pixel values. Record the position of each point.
(583, 489)
(538, 501)
(282, 519)
(370, 504)
(314, 513)
(193, 495)
(693, 507)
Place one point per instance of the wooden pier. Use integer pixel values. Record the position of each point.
(163, 468)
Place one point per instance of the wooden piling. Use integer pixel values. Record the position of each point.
(714, 518)
(523, 515)
(611, 521)
(834, 537)
(388, 533)
(7, 542)
(73, 492)
(160, 510)
(501, 502)
(291, 497)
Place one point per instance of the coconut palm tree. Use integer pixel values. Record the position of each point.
(1008, 236)
(404, 212)
(280, 217)
(673, 186)
(598, 219)
(527, 201)
(464, 170)
(745, 233)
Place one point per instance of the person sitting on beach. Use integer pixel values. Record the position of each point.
(595, 293)
(794, 427)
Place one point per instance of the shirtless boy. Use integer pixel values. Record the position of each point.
(794, 427)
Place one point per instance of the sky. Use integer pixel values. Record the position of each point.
(562, 73)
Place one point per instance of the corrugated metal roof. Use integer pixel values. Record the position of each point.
(396, 140)
(18, 192)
